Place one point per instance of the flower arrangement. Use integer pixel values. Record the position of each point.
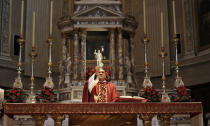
(47, 95)
(15, 95)
(151, 94)
(90, 71)
(181, 95)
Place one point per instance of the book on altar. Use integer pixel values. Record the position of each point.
(131, 99)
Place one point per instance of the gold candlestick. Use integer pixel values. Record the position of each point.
(49, 82)
(147, 81)
(32, 97)
(178, 81)
(18, 81)
(165, 97)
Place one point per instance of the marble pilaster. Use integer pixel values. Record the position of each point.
(75, 55)
(112, 54)
(120, 54)
(132, 53)
(83, 54)
(189, 27)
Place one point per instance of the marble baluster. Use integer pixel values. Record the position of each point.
(39, 120)
(112, 54)
(58, 119)
(164, 119)
(147, 119)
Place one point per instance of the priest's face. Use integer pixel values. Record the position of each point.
(101, 74)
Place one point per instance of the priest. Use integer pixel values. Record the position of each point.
(97, 89)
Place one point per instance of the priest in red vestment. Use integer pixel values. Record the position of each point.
(98, 89)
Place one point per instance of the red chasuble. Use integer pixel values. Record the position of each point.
(104, 90)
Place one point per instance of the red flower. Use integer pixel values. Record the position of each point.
(51, 95)
(14, 100)
(47, 93)
(148, 91)
(108, 68)
(93, 70)
(47, 101)
(18, 94)
(90, 67)
(43, 90)
(50, 90)
(145, 89)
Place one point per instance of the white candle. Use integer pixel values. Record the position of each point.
(174, 15)
(33, 30)
(1, 94)
(144, 11)
(21, 18)
(51, 15)
(162, 39)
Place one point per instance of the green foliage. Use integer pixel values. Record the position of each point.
(181, 95)
(151, 94)
(47, 95)
(15, 95)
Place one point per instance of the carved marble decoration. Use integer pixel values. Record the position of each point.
(120, 55)
(75, 55)
(62, 64)
(127, 62)
(112, 54)
(5, 27)
(67, 70)
(83, 54)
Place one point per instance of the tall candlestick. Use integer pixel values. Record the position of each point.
(162, 39)
(174, 15)
(144, 9)
(33, 30)
(21, 18)
(51, 15)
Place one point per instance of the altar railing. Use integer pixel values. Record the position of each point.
(77, 111)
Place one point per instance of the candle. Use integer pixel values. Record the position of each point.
(1, 94)
(21, 18)
(144, 9)
(51, 15)
(33, 30)
(174, 15)
(162, 39)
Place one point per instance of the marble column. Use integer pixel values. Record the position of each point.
(75, 55)
(83, 54)
(112, 54)
(120, 55)
(132, 52)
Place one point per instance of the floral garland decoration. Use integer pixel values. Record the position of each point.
(181, 95)
(151, 94)
(90, 71)
(47, 95)
(15, 95)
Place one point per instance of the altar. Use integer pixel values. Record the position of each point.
(120, 114)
